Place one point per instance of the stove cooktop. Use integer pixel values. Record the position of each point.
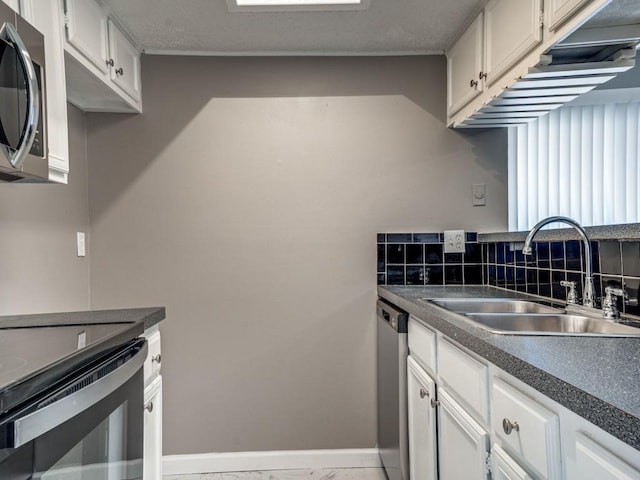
(33, 358)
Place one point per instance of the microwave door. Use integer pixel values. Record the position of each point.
(19, 75)
(12, 87)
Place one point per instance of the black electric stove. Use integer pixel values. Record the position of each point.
(32, 359)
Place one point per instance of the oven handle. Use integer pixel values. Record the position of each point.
(10, 34)
(31, 426)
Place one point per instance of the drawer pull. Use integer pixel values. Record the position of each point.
(508, 426)
(149, 407)
(423, 393)
(434, 403)
(157, 358)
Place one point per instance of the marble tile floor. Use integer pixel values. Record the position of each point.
(328, 474)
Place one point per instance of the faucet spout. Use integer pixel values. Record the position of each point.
(588, 296)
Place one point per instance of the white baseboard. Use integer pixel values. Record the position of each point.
(276, 460)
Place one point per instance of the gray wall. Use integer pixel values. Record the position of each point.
(246, 199)
(39, 269)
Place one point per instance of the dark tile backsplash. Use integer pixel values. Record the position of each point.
(615, 263)
(419, 259)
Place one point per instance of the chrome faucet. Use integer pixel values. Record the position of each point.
(588, 297)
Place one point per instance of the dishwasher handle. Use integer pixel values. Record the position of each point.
(393, 316)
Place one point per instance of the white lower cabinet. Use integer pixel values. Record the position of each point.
(503, 467)
(153, 407)
(153, 430)
(530, 431)
(524, 436)
(594, 462)
(421, 397)
(463, 445)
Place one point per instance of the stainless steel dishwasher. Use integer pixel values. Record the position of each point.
(393, 441)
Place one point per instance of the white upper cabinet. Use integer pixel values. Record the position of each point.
(103, 65)
(125, 71)
(503, 45)
(46, 16)
(464, 64)
(87, 31)
(561, 10)
(512, 29)
(496, 40)
(15, 4)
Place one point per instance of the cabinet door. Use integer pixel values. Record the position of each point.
(561, 10)
(464, 64)
(153, 431)
(87, 31)
(15, 4)
(593, 462)
(422, 423)
(534, 435)
(463, 445)
(512, 28)
(125, 71)
(503, 467)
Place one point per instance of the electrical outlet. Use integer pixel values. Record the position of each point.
(82, 340)
(454, 241)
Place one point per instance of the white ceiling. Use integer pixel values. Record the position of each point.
(387, 27)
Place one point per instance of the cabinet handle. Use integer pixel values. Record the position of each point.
(149, 407)
(508, 426)
(157, 358)
(423, 393)
(482, 75)
(434, 403)
(110, 62)
(473, 83)
(119, 71)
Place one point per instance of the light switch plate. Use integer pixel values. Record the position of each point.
(454, 241)
(81, 244)
(479, 194)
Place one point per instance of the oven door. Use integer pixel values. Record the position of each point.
(91, 428)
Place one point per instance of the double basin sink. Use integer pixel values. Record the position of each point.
(521, 317)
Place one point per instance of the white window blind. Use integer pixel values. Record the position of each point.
(580, 162)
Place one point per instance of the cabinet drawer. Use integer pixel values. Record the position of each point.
(593, 462)
(466, 377)
(152, 363)
(422, 344)
(526, 429)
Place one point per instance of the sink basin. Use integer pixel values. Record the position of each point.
(492, 305)
(550, 324)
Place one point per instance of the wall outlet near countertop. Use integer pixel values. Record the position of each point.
(454, 241)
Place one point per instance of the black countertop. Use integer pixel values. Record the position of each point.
(39, 350)
(597, 378)
(147, 317)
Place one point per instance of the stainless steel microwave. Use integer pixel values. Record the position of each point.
(23, 130)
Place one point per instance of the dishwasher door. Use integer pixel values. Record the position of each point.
(393, 442)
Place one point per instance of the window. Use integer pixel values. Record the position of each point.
(578, 161)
